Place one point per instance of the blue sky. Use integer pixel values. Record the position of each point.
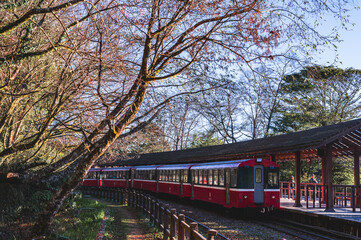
(349, 50)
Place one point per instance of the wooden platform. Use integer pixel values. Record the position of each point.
(343, 213)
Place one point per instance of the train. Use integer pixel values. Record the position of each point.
(246, 183)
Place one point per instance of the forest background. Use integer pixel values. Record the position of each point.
(87, 81)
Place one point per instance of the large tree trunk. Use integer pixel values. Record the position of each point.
(45, 220)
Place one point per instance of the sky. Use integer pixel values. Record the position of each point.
(349, 50)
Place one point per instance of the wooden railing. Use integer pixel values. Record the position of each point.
(172, 224)
(315, 194)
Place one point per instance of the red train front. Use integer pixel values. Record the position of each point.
(249, 183)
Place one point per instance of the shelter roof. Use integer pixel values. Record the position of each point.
(345, 137)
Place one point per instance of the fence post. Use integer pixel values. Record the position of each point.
(181, 230)
(150, 201)
(194, 228)
(165, 222)
(353, 199)
(211, 234)
(172, 222)
(157, 215)
(307, 195)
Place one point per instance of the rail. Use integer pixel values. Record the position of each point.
(172, 224)
(348, 196)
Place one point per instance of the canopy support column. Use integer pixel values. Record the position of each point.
(356, 165)
(298, 179)
(328, 179)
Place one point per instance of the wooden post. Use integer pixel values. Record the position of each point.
(211, 235)
(172, 222)
(298, 179)
(165, 223)
(329, 167)
(356, 166)
(152, 210)
(157, 215)
(194, 228)
(181, 230)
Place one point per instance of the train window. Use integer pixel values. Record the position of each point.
(258, 175)
(272, 179)
(205, 177)
(210, 177)
(195, 174)
(221, 177)
(199, 176)
(185, 176)
(234, 177)
(177, 175)
(215, 177)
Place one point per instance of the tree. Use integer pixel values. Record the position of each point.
(318, 96)
(127, 48)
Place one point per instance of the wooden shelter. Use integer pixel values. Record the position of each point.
(324, 143)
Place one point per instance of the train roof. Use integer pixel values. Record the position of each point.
(146, 167)
(116, 169)
(233, 163)
(175, 166)
(95, 169)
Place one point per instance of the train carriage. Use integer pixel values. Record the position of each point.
(250, 183)
(93, 178)
(115, 177)
(144, 178)
(174, 179)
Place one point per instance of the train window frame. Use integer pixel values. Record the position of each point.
(195, 176)
(234, 177)
(185, 175)
(205, 177)
(210, 176)
(177, 174)
(272, 179)
(221, 177)
(199, 176)
(215, 177)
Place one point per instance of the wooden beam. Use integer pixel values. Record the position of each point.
(349, 143)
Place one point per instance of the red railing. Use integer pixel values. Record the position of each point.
(315, 194)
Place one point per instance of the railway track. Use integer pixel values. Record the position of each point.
(278, 224)
(212, 216)
(302, 231)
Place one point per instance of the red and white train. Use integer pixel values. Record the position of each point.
(248, 183)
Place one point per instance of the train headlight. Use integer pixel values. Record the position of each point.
(273, 197)
(245, 196)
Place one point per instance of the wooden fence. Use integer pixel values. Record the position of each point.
(346, 196)
(173, 225)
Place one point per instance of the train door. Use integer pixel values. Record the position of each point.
(227, 184)
(127, 178)
(131, 178)
(181, 181)
(157, 173)
(97, 175)
(258, 185)
(193, 172)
